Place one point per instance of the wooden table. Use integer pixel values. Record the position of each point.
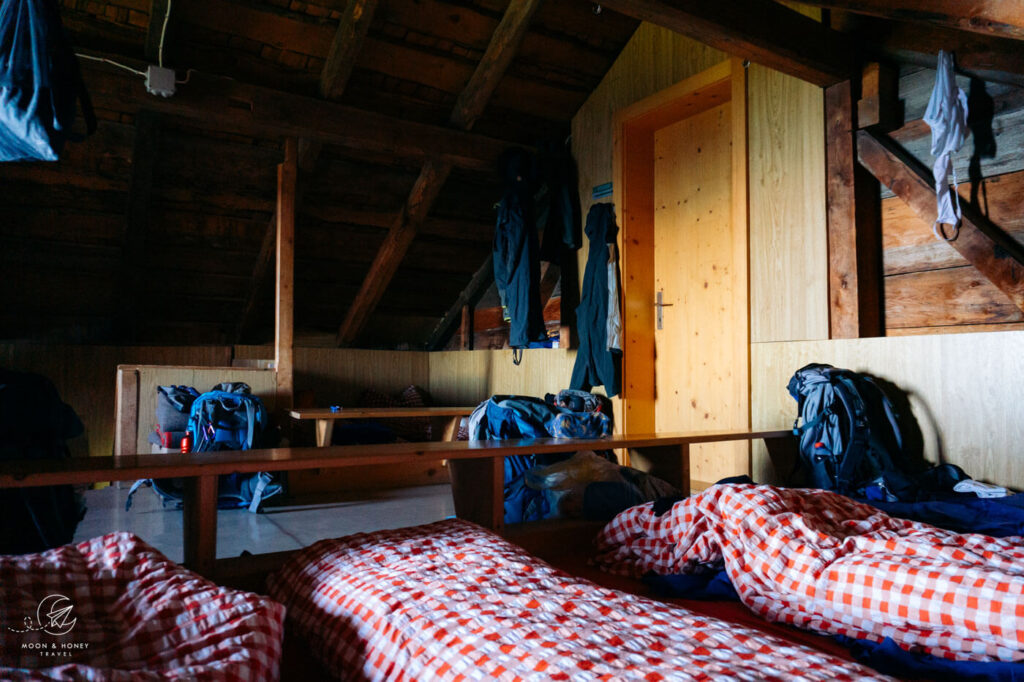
(477, 471)
(325, 417)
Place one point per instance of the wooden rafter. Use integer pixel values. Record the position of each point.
(482, 279)
(759, 30)
(216, 103)
(991, 17)
(470, 104)
(341, 59)
(994, 253)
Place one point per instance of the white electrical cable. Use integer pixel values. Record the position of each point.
(163, 32)
(111, 61)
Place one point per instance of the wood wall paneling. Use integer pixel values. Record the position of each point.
(86, 378)
(965, 394)
(788, 228)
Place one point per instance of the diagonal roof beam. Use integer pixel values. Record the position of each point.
(759, 30)
(991, 17)
(988, 248)
(341, 59)
(470, 104)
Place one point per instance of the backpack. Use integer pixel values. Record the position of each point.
(40, 83)
(850, 438)
(228, 417)
(35, 424)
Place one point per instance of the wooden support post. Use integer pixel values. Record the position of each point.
(451, 429)
(324, 432)
(284, 337)
(126, 437)
(854, 226)
(879, 103)
(995, 254)
(199, 523)
(466, 331)
(478, 490)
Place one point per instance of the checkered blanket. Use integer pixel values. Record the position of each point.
(113, 608)
(452, 601)
(821, 561)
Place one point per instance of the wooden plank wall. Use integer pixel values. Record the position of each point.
(929, 287)
(965, 393)
(85, 377)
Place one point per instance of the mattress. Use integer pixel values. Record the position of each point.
(113, 608)
(453, 601)
(818, 560)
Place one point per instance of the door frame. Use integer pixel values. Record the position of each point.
(633, 194)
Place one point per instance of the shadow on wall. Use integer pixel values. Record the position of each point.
(910, 429)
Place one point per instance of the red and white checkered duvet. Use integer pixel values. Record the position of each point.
(821, 561)
(134, 615)
(452, 601)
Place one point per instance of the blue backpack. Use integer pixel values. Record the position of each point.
(227, 418)
(850, 436)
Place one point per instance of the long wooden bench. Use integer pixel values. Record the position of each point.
(477, 471)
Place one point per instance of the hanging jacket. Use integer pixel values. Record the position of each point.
(516, 260)
(596, 365)
(946, 115)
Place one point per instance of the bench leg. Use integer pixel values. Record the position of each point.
(199, 515)
(478, 490)
(324, 431)
(451, 429)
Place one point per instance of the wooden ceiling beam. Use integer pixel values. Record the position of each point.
(995, 254)
(470, 104)
(478, 284)
(991, 58)
(762, 31)
(224, 104)
(990, 17)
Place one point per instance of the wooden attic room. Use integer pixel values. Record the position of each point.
(485, 327)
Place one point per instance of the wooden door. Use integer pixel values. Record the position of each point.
(681, 187)
(701, 347)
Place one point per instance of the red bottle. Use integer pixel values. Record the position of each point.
(186, 443)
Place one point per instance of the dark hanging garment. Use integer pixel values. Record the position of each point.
(558, 204)
(516, 248)
(595, 364)
(40, 82)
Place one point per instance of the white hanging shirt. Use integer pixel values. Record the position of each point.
(947, 116)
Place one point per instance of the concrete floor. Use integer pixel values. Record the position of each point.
(284, 525)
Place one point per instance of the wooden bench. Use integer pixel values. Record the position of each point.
(325, 417)
(477, 471)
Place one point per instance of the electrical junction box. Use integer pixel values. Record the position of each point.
(160, 81)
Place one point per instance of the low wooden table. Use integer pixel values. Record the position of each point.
(325, 417)
(477, 471)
